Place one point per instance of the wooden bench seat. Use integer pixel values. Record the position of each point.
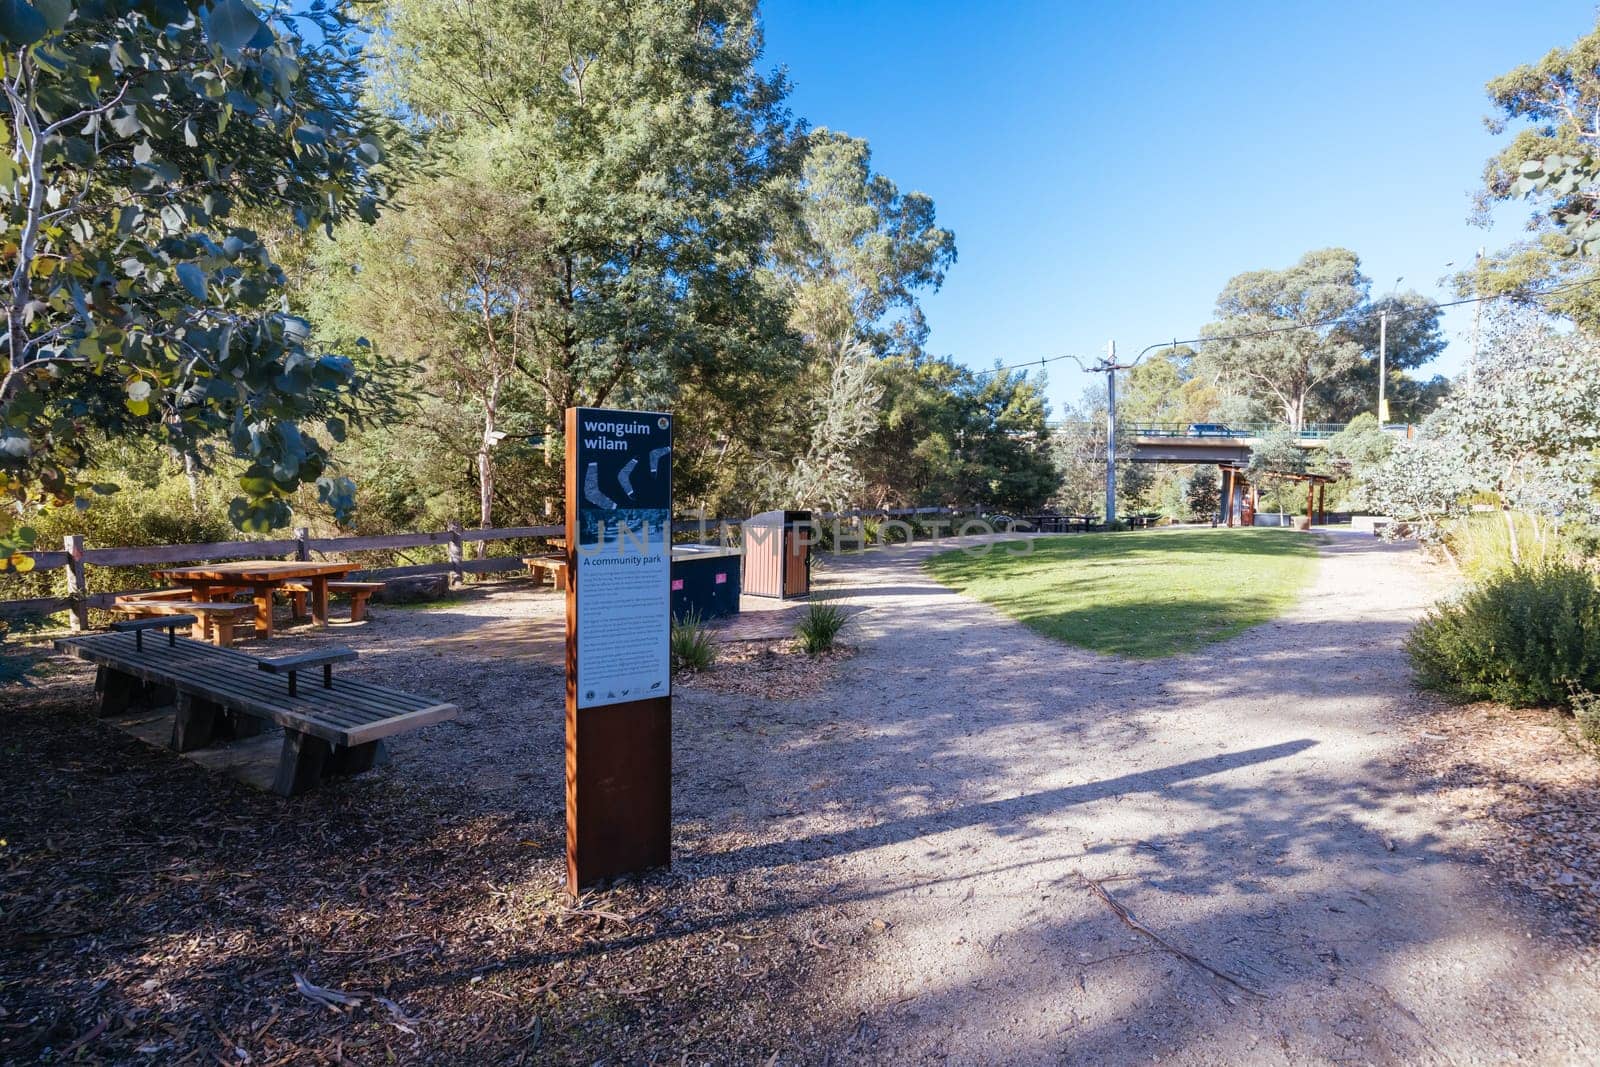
(358, 592)
(180, 593)
(330, 728)
(553, 565)
(214, 621)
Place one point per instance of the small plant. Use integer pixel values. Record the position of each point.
(691, 643)
(820, 625)
(1523, 636)
(1586, 710)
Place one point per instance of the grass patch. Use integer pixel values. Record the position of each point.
(691, 644)
(1142, 594)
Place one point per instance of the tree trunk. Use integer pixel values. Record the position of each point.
(486, 469)
(550, 437)
(192, 474)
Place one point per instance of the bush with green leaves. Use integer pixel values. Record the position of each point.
(692, 646)
(1586, 710)
(820, 625)
(1525, 636)
(147, 146)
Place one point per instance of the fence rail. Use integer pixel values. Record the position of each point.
(76, 558)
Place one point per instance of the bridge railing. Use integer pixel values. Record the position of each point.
(1215, 430)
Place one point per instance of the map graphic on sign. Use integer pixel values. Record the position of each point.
(623, 556)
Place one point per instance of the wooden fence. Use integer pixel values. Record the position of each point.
(75, 558)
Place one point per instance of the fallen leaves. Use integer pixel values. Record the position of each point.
(1527, 793)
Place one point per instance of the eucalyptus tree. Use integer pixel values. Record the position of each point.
(1403, 329)
(651, 158)
(828, 473)
(949, 435)
(850, 264)
(138, 138)
(1282, 334)
(1078, 453)
(860, 251)
(448, 285)
(1549, 108)
(1525, 434)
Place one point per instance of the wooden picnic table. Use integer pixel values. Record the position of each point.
(263, 578)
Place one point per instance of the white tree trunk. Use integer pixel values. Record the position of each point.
(486, 465)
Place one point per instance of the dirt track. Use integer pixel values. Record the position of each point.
(971, 778)
(900, 864)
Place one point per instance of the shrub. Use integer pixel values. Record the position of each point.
(1481, 543)
(1586, 710)
(820, 625)
(691, 643)
(1523, 636)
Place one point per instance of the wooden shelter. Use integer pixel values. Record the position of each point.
(1239, 496)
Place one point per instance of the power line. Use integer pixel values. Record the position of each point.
(1289, 328)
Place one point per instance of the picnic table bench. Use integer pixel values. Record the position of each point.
(358, 592)
(213, 620)
(330, 726)
(553, 565)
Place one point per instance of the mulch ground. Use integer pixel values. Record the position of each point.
(152, 912)
(770, 669)
(1526, 789)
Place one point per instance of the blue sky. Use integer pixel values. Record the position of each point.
(1107, 168)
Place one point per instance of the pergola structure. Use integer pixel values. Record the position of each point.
(1239, 495)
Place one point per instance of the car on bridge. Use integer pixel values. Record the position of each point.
(1209, 429)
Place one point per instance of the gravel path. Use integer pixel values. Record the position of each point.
(934, 815)
(954, 792)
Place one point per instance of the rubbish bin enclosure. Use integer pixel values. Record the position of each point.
(777, 554)
(705, 581)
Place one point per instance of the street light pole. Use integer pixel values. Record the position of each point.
(1383, 355)
(1111, 432)
(1383, 345)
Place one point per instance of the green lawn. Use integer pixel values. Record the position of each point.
(1144, 594)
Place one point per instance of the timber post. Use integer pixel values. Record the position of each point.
(77, 587)
(457, 575)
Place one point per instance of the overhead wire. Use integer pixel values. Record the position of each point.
(1290, 327)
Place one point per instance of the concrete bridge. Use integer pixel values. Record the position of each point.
(1196, 442)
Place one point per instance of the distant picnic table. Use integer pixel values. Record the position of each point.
(1054, 523)
(263, 578)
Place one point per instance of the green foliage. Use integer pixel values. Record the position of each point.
(1164, 386)
(860, 251)
(1413, 337)
(1322, 294)
(1481, 542)
(1550, 161)
(1305, 341)
(1359, 447)
(1194, 496)
(950, 436)
(1142, 594)
(692, 645)
(827, 475)
(1524, 636)
(140, 142)
(640, 151)
(156, 505)
(1586, 712)
(1523, 437)
(820, 625)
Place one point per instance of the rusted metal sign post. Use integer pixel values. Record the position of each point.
(619, 619)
